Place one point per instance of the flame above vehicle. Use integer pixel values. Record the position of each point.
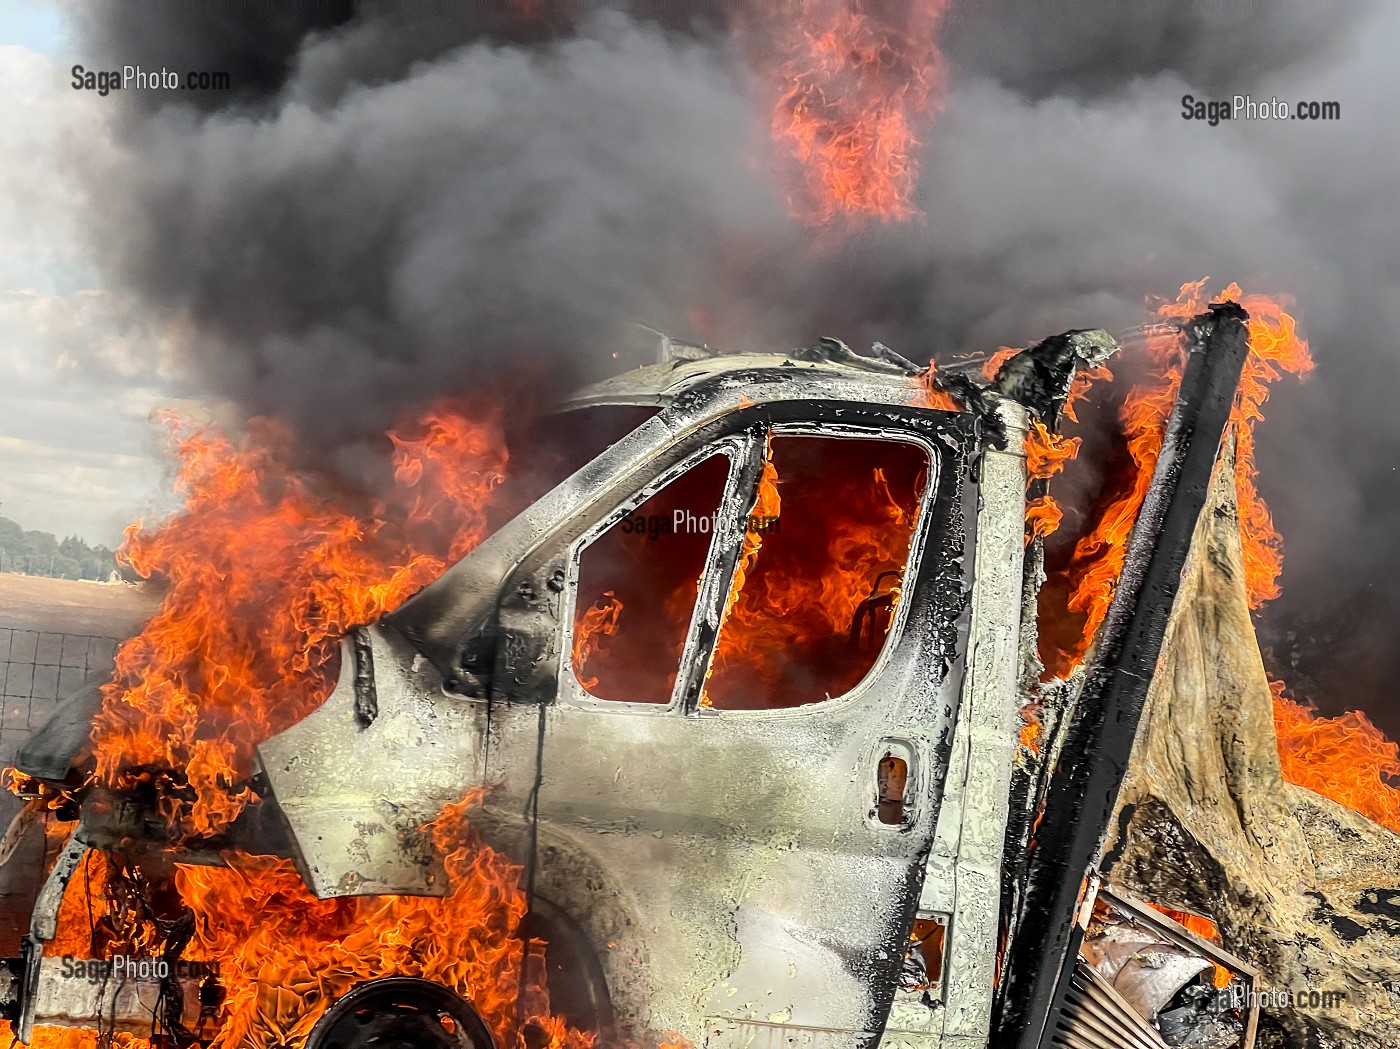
(856, 81)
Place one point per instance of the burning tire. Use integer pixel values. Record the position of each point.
(401, 1012)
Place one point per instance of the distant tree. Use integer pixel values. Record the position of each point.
(40, 553)
(64, 567)
(11, 534)
(104, 562)
(41, 544)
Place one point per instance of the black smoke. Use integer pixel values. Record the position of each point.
(397, 200)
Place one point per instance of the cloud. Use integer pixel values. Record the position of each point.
(82, 366)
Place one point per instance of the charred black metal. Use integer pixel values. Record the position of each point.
(1084, 788)
(834, 351)
(401, 1010)
(64, 740)
(1039, 378)
(976, 399)
(366, 695)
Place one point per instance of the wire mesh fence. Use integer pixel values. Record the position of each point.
(37, 669)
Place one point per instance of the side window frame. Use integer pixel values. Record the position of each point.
(917, 542)
(739, 449)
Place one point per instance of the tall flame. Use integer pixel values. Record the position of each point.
(1346, 759)
(1275, 348)
(855, 79)
(264, 574)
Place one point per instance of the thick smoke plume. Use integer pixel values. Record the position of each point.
(398, 200)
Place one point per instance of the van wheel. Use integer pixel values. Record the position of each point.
(400, 1012)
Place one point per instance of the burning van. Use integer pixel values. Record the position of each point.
(739, 701)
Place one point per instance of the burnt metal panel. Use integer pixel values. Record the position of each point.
(964, 864)
(1084, 788)
(759, 885)
(694, 848)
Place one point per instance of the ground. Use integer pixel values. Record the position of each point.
(72, 606)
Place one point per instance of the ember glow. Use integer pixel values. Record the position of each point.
(855, 79)
(1206, 930)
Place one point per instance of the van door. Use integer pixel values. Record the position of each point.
(721, 715)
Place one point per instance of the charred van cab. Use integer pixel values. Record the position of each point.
(750, 808)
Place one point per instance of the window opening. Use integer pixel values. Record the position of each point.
(820, 571)
(637, 585)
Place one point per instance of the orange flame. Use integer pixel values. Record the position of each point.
(1276, 347)
(596, 624)
(1047, 452)
(1346, 758)
(995, 360)
(1099, 554)
(283, 956)
(768, 506)
(783, 613)
(1046, 455)
(264, 574)
(1205, 929)
(1031, 727)
(929, 392)
(1043, 516)
(264, 571)
(281, 975)
(855, 79)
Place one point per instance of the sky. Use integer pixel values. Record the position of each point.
(80, 373)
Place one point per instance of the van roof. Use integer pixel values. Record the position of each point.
(659, 384)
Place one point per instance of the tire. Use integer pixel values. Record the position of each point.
(401, 1012)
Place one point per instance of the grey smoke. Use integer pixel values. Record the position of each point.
(402, 199)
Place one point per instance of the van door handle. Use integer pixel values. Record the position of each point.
(896, 773)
